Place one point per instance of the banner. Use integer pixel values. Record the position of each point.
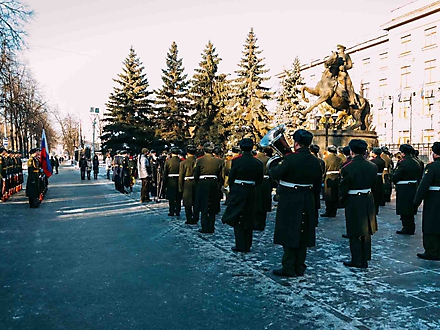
(45, 161)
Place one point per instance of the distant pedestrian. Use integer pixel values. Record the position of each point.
(83, 167)
(57, 164)
(108, 165)
(145, 174)
(95, 167)
(89, 168)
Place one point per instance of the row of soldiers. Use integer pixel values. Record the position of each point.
(11, 173)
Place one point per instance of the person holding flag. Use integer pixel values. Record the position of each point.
(46, 166)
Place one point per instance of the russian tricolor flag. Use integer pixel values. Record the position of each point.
(45, 160)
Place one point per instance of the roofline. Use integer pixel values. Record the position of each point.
(412, 16)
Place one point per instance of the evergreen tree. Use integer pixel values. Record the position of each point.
(209, 92)
(172, 100)
(128, 121)
(250, 116)
(288, 101)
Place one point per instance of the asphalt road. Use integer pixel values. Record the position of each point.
(92, 258)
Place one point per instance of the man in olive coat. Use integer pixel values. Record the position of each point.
(263, 194)
(356, 192)
(406, 177)
(378, 191)
(245, 175)
(207, 176)
(300, 177)
(331, 183)
(388, 171)
(187, 185)
(429, 192)
(171, 182)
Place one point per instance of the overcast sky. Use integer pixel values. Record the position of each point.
(77, 47)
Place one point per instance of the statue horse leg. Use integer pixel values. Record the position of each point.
(309, 90)
(321, 99)
(356, 114)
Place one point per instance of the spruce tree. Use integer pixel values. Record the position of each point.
(288, 100)
(172, 101)
(250, 116)
(209, 92)
(128, 121)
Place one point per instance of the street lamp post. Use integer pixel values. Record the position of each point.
(327, 124)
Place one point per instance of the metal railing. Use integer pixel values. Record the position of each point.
(423, 148)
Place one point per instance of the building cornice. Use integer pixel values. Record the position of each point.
(412, 16)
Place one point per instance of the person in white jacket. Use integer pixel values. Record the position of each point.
(144, 174)
(108, 165)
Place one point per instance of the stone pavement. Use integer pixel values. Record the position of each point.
(92, 258)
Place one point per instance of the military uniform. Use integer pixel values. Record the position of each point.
(245, 175)
(263, 195)
(33, 188)
(207, 175)
(429, 192)
(379, 190)
(300, 177)
(358, 182)
(2, 175)
(171, 182)
(331, 184)
(406, 177)
(388, 171)
(187, 187)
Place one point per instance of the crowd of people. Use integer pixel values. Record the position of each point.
(347, 178)
(11, 173)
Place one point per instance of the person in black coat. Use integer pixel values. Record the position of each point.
(358, 182)
(95, 167)
(171, 182)
(207, 175)
(379, 189)
(429, 192)
(246, 173)
(83, 167)
(187, 185)
(263, 192)
(314, 149)
(300, 177)
(406, 177)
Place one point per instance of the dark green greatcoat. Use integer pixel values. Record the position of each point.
(172, 166)
(207, 191)
(187, 187)
(297, 205)
(431, 199)
(360, 212)
(33, 180)
(241, 201)
(379, 189)
(407, 169)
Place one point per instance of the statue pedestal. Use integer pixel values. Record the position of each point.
(341, 138)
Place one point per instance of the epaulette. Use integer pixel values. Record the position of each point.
(351, 161)
(237, 157)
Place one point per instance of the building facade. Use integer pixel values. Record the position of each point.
(399, 73)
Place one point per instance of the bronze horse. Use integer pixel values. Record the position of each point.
(333, 92)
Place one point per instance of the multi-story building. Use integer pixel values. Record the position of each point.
(399, 73)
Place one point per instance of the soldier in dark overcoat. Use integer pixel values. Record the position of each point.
(263, 193)
(171, 182)
(207, 175)
(429, 192)
(314, 149)
(416, 157)
(331, 183)
(300, 177)
(245, 175)
(406, 177)
(235, 151)
(358, 182)
(387, 173)
(378, 191)
(33, 180)
(187, 185)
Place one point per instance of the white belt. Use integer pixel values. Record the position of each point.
(189, 178)
(379, 173)
(406, 182)
(332, 172)
(266, 176)
(173, 175)
(244, 182)
(434, 188)
(359, 191)
(294, 185)
(208, 177)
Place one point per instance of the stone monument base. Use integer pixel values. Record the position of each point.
(341, 138)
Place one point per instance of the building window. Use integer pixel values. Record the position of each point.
(383, 59)
(430, 36)
(404, 110)
(405, 41)
(366, 64)
(312, 77)
(383, 84)
(428, 135)
(403, 137)
(404, 76)
(365, 90)
(429, 72)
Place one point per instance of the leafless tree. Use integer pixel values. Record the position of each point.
(13, 16)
